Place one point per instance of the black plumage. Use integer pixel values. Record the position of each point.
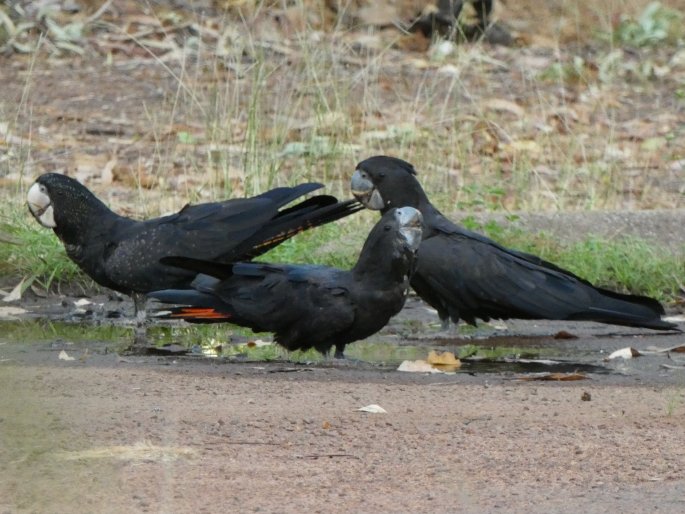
(465, 275)
(123, 254)
(307, 306)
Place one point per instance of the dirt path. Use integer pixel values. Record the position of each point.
(106, 434)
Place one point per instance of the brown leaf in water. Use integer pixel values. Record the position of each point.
(563, 334)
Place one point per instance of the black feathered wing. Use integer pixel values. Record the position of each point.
(231, 230)
(467, 276)
(203, 231)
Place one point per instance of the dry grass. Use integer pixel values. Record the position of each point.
(235, 105)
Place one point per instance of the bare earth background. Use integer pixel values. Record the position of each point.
(184, 101)
(157, 435)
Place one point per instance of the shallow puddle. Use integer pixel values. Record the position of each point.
(499, 354)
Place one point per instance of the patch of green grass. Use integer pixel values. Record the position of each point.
(46, 330)
(574, 71)
(37, 255)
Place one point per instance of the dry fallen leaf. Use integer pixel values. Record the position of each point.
(64, 356)
(16, 293)
(624, 353)
(419, 366)
(444, 358)
(325, 425)
(144, 451)
(373, 408)
(671, 366)
(563, 334)
(671, 349)
(523, 146)
(445, 361)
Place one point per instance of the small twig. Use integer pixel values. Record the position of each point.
(329, 455)
(289, 370)
(263, 443)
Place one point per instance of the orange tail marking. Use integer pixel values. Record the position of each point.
(282, 236)
(199, 313)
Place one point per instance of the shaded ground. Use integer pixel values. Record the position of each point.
(112, 434)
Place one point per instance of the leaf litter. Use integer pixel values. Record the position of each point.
(436, 362)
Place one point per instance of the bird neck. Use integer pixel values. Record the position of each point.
(380, 263)
(83, 216)
(408, 197)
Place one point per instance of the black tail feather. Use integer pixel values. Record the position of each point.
(215, 269)
(291, 222)
(284, 195)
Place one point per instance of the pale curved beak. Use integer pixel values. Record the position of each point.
(411, 226)
(40, 206)
(363, 190)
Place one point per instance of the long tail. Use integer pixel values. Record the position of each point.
(313, 212)
(195, 306)
(284, 195)
(627, 310)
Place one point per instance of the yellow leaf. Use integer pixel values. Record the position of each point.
(443, 359)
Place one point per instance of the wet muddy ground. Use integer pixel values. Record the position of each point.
(87, 429)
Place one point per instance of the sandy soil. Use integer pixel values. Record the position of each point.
(105, 433)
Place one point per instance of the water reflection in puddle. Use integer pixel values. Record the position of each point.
(501, 354)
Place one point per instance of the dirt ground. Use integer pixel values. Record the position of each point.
(150, 434)
(106, 432)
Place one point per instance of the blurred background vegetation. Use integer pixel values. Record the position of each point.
(553, 106)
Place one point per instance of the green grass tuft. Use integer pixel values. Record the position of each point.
(37, 255)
